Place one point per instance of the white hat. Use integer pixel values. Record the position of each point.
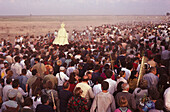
(62, 68)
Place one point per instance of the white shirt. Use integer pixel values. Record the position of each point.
(128, 73)
(112, 85)
(97, 89)
(62, 77)
(167, 98)
(16, 68)
(23, 63)
(70, 70)
(5, 91)
(77, 56)
(121, 79)
(29, 74)
(35, 103)
(25, 94)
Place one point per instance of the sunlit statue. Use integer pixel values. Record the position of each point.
(62, 37)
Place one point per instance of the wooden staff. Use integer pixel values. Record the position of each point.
(53, 98)
(112, 61)
(142, 69)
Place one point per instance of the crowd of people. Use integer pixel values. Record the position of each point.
(98, 71)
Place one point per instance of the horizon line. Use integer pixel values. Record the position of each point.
(84, 15)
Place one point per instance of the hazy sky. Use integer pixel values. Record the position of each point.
(84, 7)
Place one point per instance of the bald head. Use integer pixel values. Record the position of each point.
(125, 86)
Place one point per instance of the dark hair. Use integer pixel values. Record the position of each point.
(49, 84)
(78, 91)
(85, 78)
(44, 98)
(37, 84)
(159, 104)
(34, 72)
(72, 78)
(153, 93)
(121, 73)
(15, 83)
(143, 84)
(97, 67)
(119, 86)
(105, 85)
(37, 93)
(133, 73)
(108, 73)
(17, 58)
(99, 80)
(123, 62)
(129, 66)
(106, 66)
(152, 69)
(9, 80)
(72, 63)
(28, 102)
(24, 71)
(37, 59)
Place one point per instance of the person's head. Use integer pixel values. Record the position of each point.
(143, 84)
(96, 68)
(123, 102)
(76, 71)
(49, 85)
(159, 104)
(123, 63)
(89, 74)
(17, 59)
(28, 102)
(85, 78)
(34, 72)
(105, 85)
(37, 60)
(9, 73)
(125, 87)
(24, 71)
(153, 70)
(106, 66)
(59, 62)
(153, 93)
(66, 85)
(108, 73)
(99, 80)
(78, 91)
(9, 80)
(62, 69)
(15, 83)
(51, 71)
(45, 99)
(129, 66)
(134, 74)
(119, 86)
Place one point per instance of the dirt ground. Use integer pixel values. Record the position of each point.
(11, 26)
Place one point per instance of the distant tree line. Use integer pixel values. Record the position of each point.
(168, 14)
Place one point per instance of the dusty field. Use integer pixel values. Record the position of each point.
(40, 25)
